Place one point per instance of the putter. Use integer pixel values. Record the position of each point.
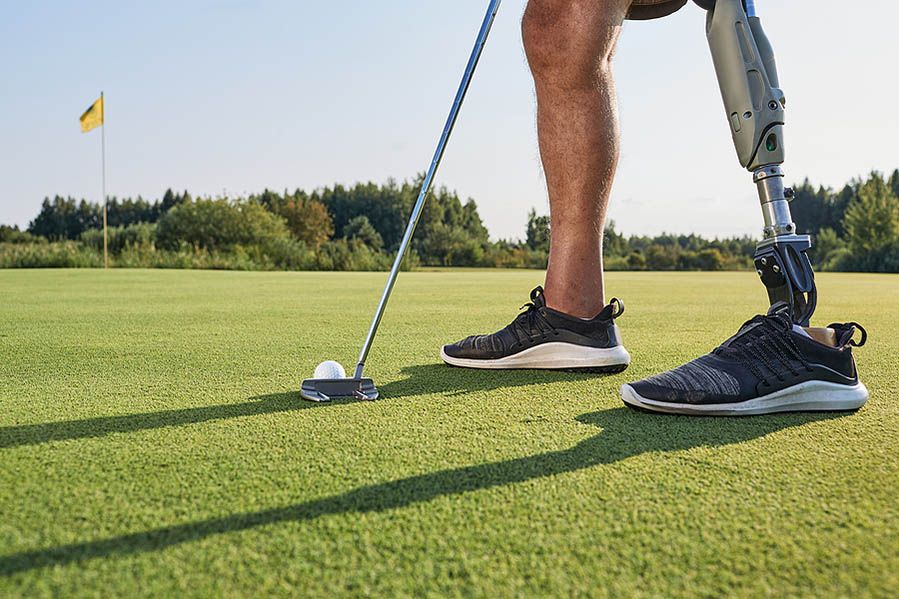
(359, 387)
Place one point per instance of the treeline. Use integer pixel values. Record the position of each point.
(360, 228)
(855, 228)
(336, 228)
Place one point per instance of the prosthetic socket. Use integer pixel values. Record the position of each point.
(747, 74)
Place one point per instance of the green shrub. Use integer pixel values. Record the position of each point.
(350, 255)
(824, 245)
(218, 225)
(289, 254)
(636, 261)
(504, 255)
(120, 238)
(838, 260)
(661, 257)
(616, 263)
(63, 254)
(446, 245)
(710, 259)
(14, 235)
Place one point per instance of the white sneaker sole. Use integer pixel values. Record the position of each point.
(810, 396)
(552, 356)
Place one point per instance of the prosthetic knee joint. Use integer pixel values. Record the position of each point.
(747, 74)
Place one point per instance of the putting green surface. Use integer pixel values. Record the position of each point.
(152, 442)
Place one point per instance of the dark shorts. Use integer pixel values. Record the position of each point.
(642, 10)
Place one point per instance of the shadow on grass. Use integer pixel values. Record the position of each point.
(32, 434)
(422, 379)
(624, 433)
(441, 379)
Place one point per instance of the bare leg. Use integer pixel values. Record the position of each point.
(569, 46)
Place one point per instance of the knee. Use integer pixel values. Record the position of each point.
(544, 36)
(571, 38)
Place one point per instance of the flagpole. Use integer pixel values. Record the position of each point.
(103, 160)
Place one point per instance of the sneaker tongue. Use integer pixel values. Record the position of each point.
(778, 308)
(743, 332)
(781, 311)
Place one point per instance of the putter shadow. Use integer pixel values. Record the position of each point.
(33, 434)
(422, 379)
(624, 434)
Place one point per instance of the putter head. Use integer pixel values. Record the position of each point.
(327, 389)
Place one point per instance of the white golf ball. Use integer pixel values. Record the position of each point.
(329, 369)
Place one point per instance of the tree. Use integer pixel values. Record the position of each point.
(613, 242)
(812, 208)
(816, 209)
(840, 203)
(12, 234)
(386, 206)
(538, 233)
(636, 261)
(450, 246)
(171, 199)
(661, 257)
(826, 242)
(128, 211)
(471, 222)
(269, 199)
(361, 229)
(872, 219)
(64, 218)
(709, 259)
(307, 219)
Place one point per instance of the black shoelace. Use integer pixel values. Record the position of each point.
(771, 345)
(532, 322)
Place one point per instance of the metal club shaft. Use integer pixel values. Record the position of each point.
(429, 178)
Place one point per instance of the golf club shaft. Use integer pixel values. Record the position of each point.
(429, 178)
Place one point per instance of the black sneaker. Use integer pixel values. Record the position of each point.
(546, 339)
(770, 365)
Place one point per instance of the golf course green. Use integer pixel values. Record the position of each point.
(153, 443)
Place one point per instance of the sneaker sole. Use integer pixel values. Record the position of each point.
(553, 356)
(810, 396)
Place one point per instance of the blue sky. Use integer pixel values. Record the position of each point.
(234, 96)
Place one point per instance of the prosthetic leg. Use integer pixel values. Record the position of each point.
(747, 74)
(770, 365)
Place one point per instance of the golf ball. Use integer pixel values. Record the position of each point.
(329, 369)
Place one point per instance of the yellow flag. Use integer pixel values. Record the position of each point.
(93, 116)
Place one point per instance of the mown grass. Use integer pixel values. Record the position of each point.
(152, 443)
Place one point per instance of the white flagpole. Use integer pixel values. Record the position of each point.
(103, 160)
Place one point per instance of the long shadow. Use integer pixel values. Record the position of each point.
(624, 434)
(421, 379)
(32, 434)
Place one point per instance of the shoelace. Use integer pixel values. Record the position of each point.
(531, 320)
(772, 346)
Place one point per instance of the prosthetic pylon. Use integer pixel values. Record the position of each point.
(747, 75)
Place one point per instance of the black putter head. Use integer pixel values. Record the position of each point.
(327, 389)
